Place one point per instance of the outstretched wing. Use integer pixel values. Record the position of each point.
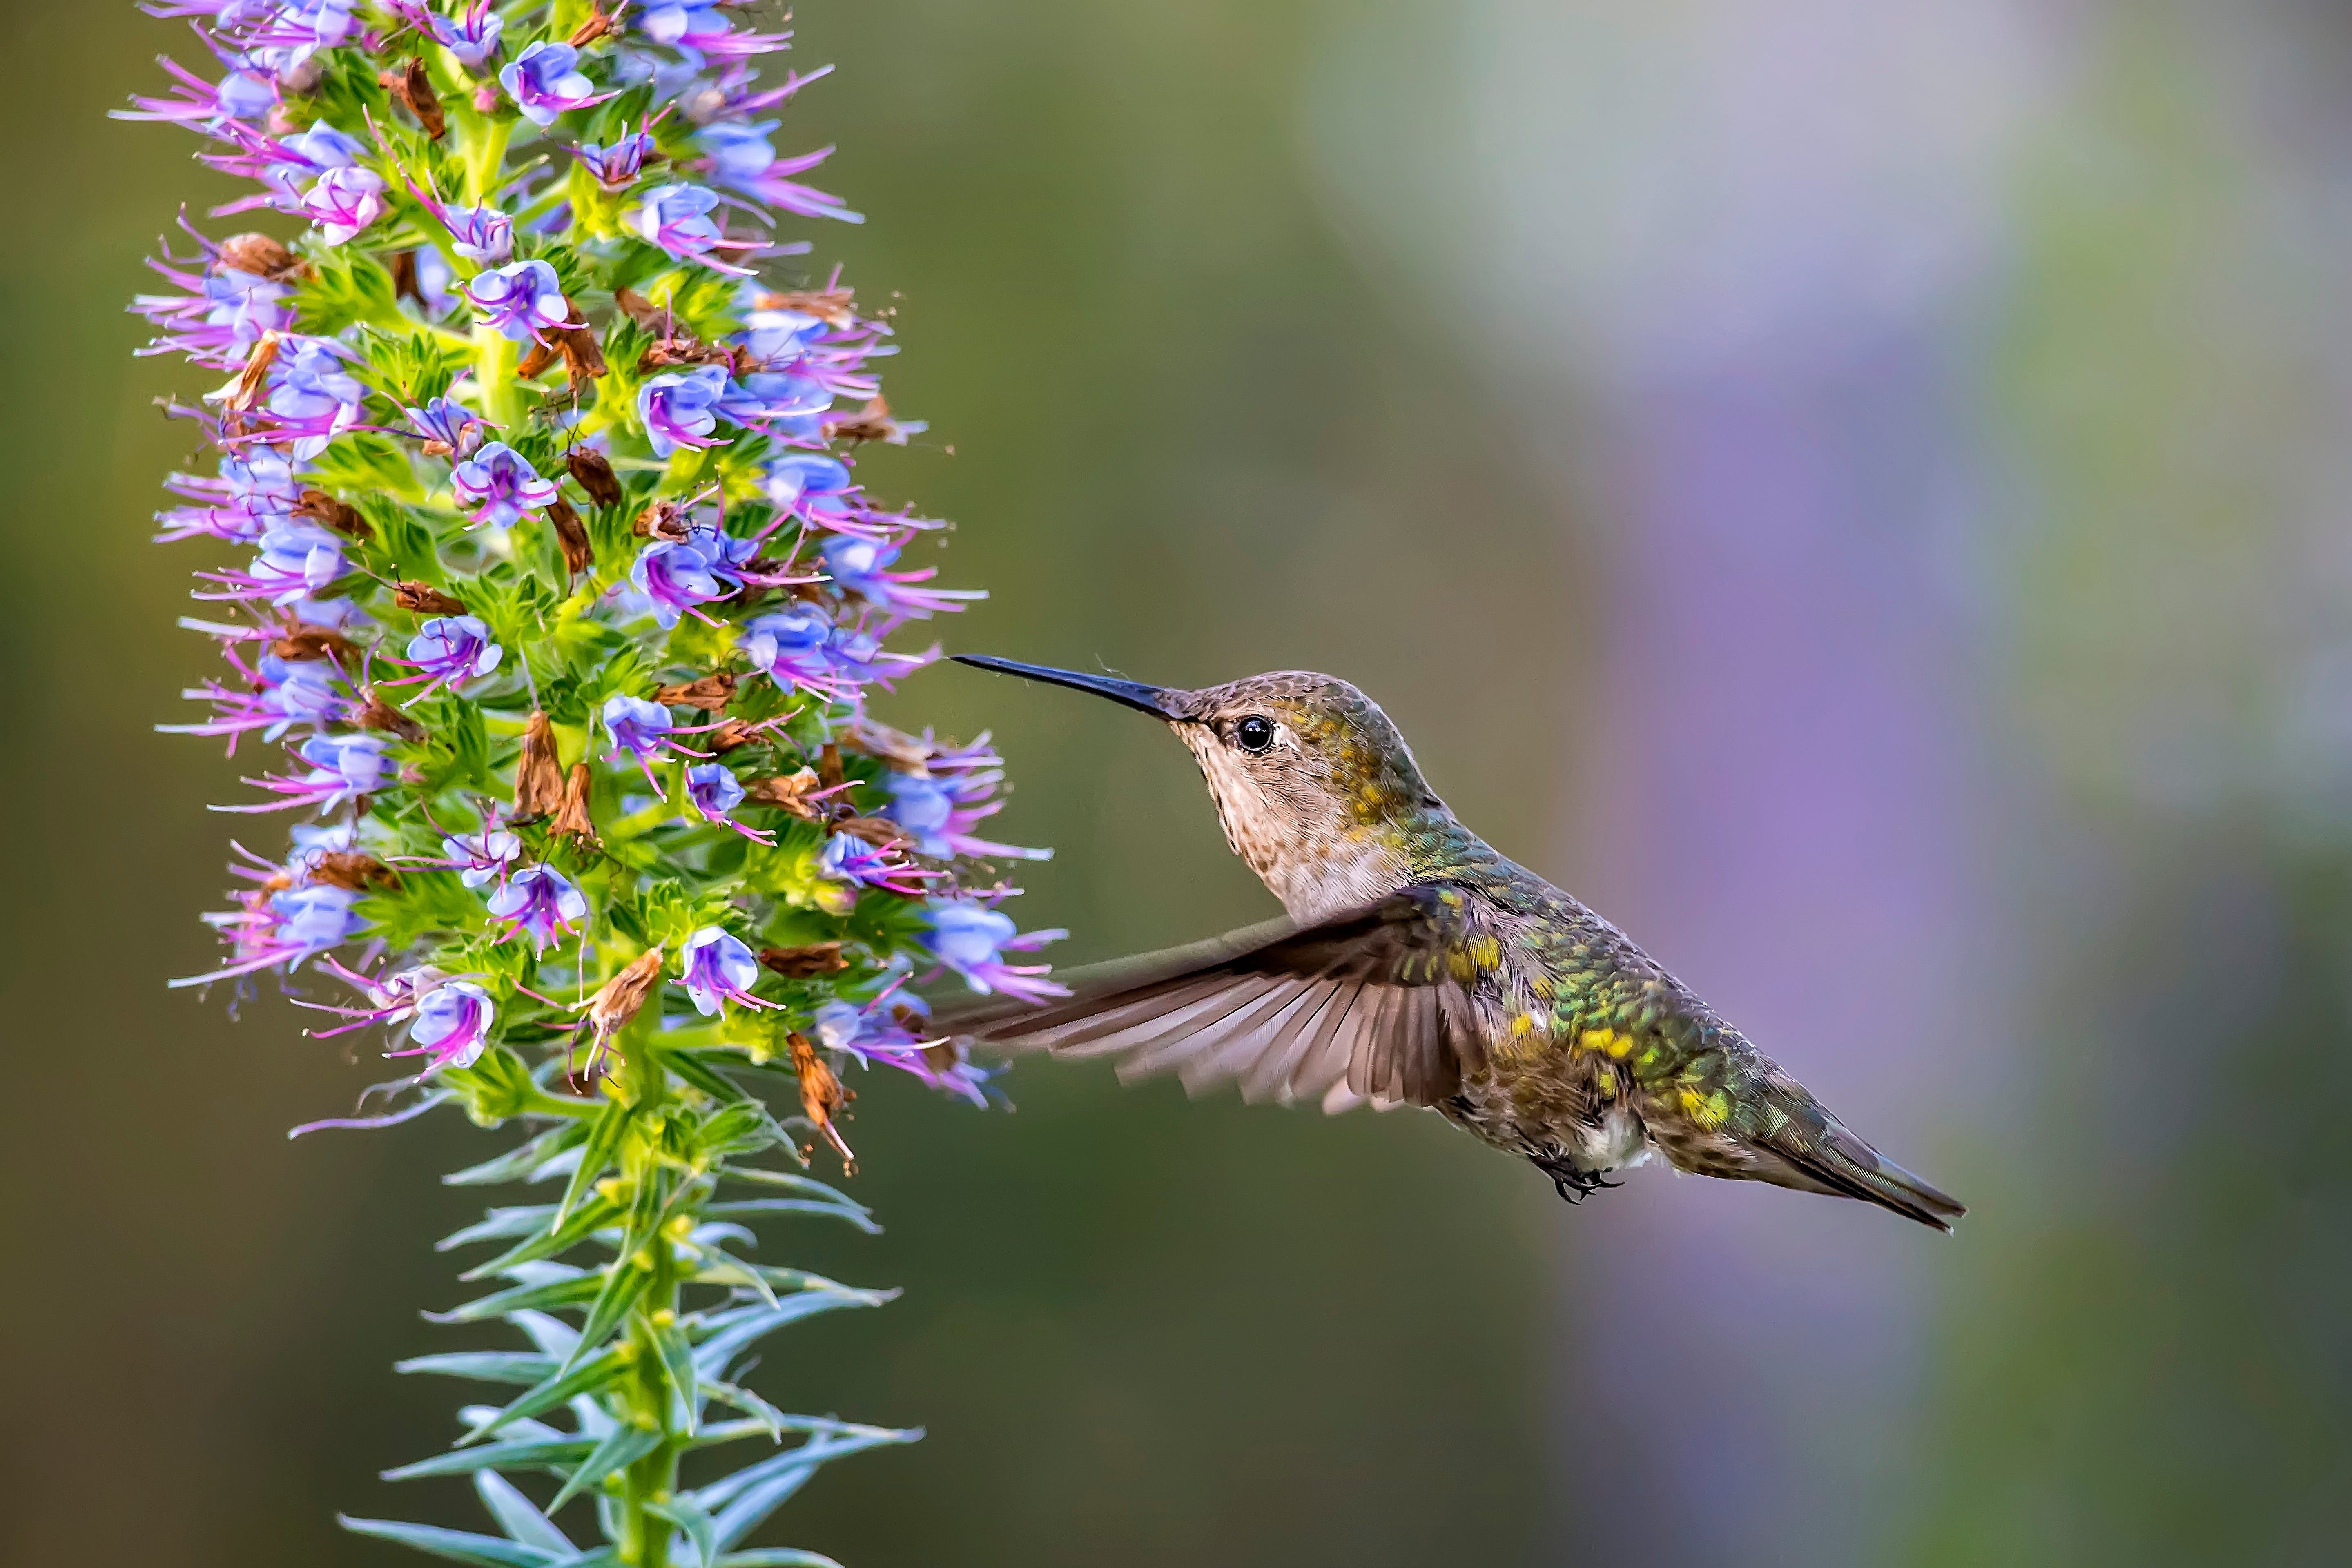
(1365, 1005)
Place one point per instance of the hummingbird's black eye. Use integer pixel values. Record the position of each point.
(1254, 734)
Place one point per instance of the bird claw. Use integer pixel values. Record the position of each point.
(1573, 1185)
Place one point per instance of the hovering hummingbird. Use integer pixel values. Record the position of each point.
(1417, 966)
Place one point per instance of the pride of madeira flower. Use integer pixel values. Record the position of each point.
(550, 572)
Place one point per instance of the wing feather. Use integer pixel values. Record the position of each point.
(1363, 1007)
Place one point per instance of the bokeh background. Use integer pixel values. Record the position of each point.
(1857, 492)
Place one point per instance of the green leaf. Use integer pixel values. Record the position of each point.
(526, 1219)
(694, 1070)
(482, 1366)
(518, 1163)
(624, 1283)
(555, 1294)
(457, 1545)
(556, 1455)
(738, 1331)
(699, 1527)
(587, 1378)
(678, 1361)
(622, 1447)
(764, 1415)
(789, 1180)
(518, 1516)
(604, 1139)
(578, 1229)
(719, 1268)
(855, 1213)
(775, 1557)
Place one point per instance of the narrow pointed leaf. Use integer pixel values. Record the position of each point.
(552, 1335)
(700, 1529)
(482, 1366)
(521, 1163)
(592, 1217)
(776, 1557)
(774, 1480)
(808, 1186)
(624, 1282)
(554, 1454)
(520, 1517)
(499, 1224)
(579, 1289)
(678, 1361)
(713, 1355)
(703, 1076)
(586, 1378)
(457, 1545)
(719, 1268)
(854, 1214)
(604, 1138)
(836, 1440)
(624, 1447)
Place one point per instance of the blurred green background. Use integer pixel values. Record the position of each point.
(1854, 492)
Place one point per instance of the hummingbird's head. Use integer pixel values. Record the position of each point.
(1314, 786)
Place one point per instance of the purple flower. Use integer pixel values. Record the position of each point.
(972, 941)
(850, 863)
(252, 495)
(479, 233)
(741, 157)
(453, 1026)
(800, 646)
(481, 857)
(473, 37)
(809, 484)
(342, 767)
(939, 812)
(282, 927)
(449, 650)
(500, 486)
(297, 559)
(540, 900)
(342, 202)
(244, 94)
(544, 80)
(642, 730)
(861, 566)
(677, 575)
(717, 968)
(273, 697)
(220, 317)
(872, 1034)
(715, 792)
(520, 302)
(679, 410)
(616, 168)
(677, 218)
(449, 424)
(697, 26)
(312, 397)
(783, 403)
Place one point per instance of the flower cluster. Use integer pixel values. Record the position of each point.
(554, 596)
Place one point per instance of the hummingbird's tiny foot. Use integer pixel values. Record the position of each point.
(1572, 1184)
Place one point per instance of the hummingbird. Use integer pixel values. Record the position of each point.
(1415, 966)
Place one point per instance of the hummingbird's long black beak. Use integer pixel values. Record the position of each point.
(1153, 700)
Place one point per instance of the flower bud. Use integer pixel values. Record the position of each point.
(822, 1095)
(572, 817)
(353, 870)
(792, 793)
(618, 1000)
(424, 599)
(344, 518)
(258, 255)
(304, 645)
(572, 535)
(710, 693)
(412, 88)
(805, 962)
(539, 777)
(594, 473)
(380, 715)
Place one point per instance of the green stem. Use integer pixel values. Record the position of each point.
(495, 359)
(644, 1537)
